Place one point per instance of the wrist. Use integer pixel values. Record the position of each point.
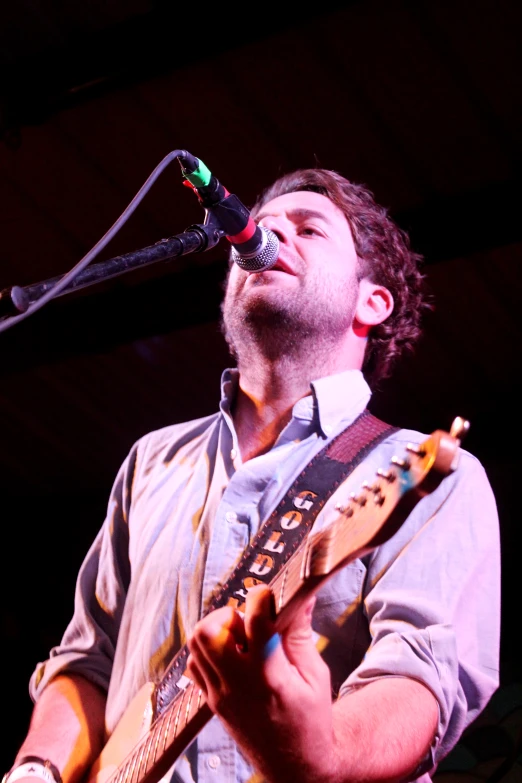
(33, 766)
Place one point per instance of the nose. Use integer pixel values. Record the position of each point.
(277, 225)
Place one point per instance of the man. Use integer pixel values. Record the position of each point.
(409, 633)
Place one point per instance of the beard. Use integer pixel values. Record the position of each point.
(287, 322)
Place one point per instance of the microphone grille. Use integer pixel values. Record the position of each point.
(263, 258)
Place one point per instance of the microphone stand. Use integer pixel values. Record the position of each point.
(198, 237)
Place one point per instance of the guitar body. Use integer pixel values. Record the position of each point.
(133, 726)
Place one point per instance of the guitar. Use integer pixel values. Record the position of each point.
(149, 738)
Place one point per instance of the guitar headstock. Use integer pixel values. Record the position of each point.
(372, 515)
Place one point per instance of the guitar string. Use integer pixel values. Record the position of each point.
(141, 754)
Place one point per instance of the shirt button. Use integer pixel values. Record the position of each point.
(233, 454)
(231, 516)
(214, 762)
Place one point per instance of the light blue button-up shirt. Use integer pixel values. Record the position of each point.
(425, 604)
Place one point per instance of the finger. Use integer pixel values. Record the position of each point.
(299, 622)
(300, 649)
(259, 622)
(214, 644)
(299, 636)
(200, 671)
(288, 652)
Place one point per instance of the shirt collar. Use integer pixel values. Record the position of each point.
(340, 397)
(333, 399)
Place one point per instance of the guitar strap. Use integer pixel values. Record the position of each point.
(285, 529)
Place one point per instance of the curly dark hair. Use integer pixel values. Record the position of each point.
(384, 254)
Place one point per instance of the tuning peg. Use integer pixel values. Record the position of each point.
(359, 499)
(459, 428)
(375, 488)
(401, 462)
(416, 448)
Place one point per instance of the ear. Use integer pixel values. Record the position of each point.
(374, 304)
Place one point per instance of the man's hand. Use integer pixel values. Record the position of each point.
(272, 691)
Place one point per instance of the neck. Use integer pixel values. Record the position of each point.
(269, 389)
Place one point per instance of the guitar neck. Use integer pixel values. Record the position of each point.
(170, 734)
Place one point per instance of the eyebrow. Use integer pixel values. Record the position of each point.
(299, 214)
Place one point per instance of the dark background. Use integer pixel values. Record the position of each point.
(418, 100)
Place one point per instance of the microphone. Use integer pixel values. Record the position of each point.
(254, 248)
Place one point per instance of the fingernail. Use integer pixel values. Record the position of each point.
(271, 645)
(310, 608)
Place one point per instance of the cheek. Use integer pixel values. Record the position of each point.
(344, 266)
(235, 280)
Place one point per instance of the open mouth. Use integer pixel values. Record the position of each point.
(281, 266)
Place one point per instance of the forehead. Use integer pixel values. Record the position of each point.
(302, 204)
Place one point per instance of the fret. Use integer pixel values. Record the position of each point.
(151, 740)
(121, 773)
(295, 571)
(175, 730)
(155, 738)
(134, 760)
(170, 714)
(288, 581)
(142, 755)
(189, 702)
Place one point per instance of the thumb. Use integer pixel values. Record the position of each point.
(279, 646)
(298, 636)
(265, 634)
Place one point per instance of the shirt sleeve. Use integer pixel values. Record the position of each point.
(88, 643)
(432, 598)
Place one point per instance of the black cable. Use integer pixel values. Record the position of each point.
(106, 238)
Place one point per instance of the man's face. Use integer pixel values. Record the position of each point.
(312, 289)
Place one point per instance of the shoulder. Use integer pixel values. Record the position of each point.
(175, 436)
(160, 446)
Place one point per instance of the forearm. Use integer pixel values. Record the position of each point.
(67, 726)
(382, 731)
